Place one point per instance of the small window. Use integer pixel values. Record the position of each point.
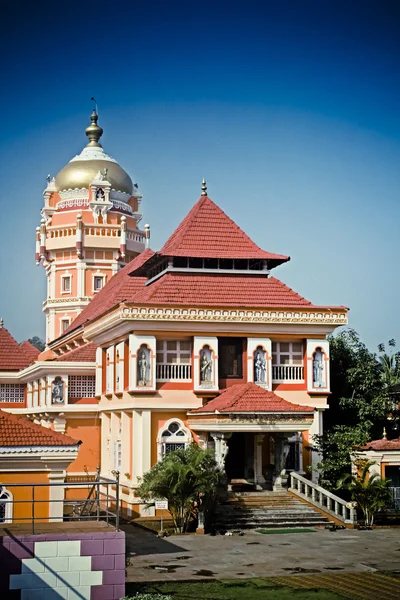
(230, 352)
(64, 325)
(174, 352)
(117, 458)
(287, 353)
(66, 284)
(6, 505)
(98, 283)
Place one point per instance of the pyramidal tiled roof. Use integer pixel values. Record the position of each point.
(249, 397)
(17, 431)
(207, 232)
(203, 289)
(30, 350)
(14, 356)
(383, 444)
(86, 353)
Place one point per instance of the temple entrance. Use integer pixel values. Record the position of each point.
(239, 463)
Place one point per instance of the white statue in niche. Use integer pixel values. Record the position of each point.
(318, 369)
(100, 195)
(57, 391)
(206, 366)
(259, 366)
(143, 366)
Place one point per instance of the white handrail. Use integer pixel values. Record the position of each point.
(326, 501)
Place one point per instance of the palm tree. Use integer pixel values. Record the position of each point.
(390, 365)
(184, 477)
(369, 491)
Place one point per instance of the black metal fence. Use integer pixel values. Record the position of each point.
(32, 503)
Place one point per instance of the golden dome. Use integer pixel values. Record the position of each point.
(82, 169)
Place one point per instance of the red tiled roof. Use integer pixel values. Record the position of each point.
(383, 444)
(250, 398)
(219, 290)
(86, 353)
(13, 356)
(17, 431)
(30, 350)
(207, 232)
(120, 287)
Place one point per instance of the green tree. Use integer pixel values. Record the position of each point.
(183, 477)
(358, 406)
(390, 365)
(369, 491)
(37, 342)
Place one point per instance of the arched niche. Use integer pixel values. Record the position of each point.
(318, 368)
(260, 366)
(143, 366)
(206, 366)
(57, 391)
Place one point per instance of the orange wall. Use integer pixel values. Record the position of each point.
(22, 507)
(158, 419)
(88, 432)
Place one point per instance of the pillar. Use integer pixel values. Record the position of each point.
(56, 496)
(259, 478)
(281, 452)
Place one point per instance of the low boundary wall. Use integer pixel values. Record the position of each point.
(70, 566)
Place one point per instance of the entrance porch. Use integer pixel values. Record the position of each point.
(256, 461)
(256, 435)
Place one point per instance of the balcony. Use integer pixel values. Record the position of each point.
(173, 372)
(287, 373)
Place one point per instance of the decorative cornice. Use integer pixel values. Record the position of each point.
(334, 317)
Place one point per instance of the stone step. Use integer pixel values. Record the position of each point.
(276, 512)
(276, 525)
(271, 519)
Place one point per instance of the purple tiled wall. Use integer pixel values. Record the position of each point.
(106, 549)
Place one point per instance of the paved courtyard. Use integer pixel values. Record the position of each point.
(195, 557)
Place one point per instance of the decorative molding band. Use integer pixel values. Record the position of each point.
(37, 449)
(330, 317)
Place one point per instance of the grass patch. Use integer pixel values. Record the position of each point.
(270, 531)
(237, 589)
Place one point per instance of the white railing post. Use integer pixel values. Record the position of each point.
(322, 499)
(173, 372)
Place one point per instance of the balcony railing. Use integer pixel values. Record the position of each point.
(170, 372)
(287, 373)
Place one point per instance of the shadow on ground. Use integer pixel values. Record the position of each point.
(141, 542)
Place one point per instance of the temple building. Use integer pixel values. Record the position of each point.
(148, 351)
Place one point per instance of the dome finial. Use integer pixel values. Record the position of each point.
(384, 433)
(94, 131)
(203, 188)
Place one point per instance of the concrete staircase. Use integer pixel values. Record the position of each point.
(266, 510)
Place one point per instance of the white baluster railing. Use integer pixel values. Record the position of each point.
(287, 373)
(322, 499)
(170, 372)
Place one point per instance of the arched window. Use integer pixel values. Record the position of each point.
(6, 505)
(173, 436)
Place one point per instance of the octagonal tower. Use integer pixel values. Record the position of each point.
(88, 231)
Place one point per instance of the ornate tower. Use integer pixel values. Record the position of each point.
(89, 230)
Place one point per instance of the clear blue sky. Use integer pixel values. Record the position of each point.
(290, 110)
